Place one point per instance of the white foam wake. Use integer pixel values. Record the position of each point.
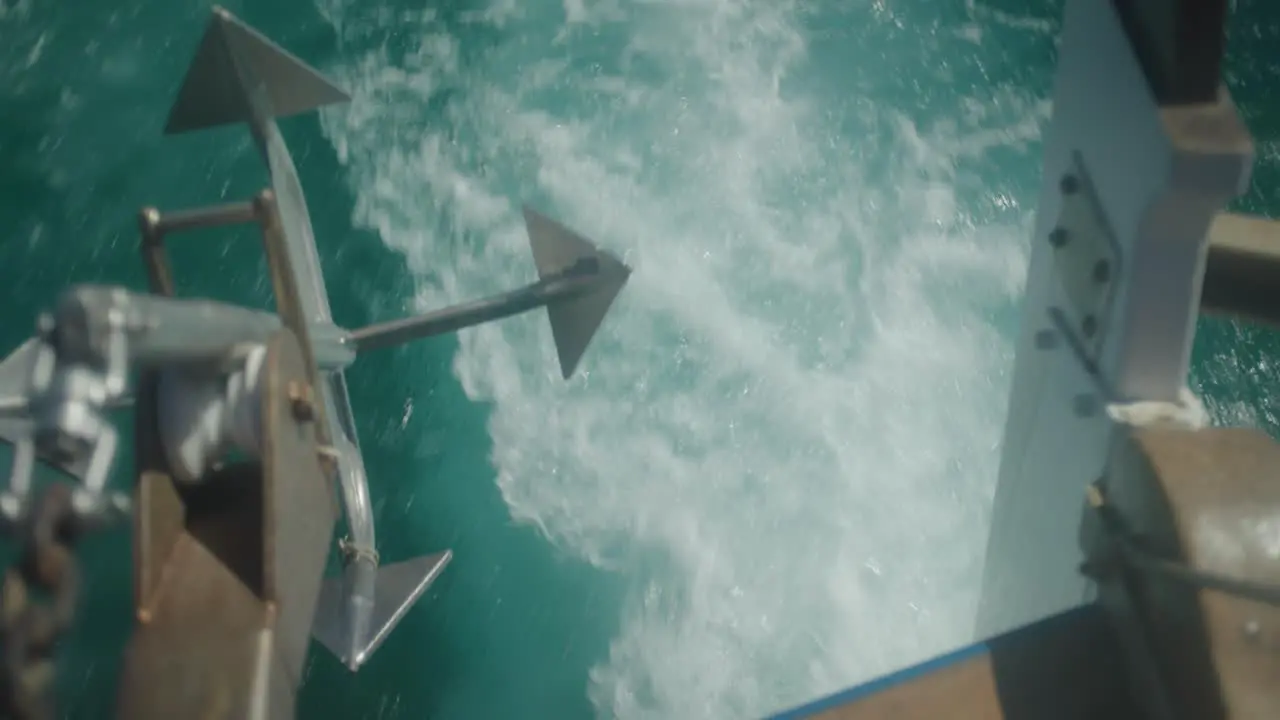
(787, 429)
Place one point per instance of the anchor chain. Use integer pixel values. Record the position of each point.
(30, 626)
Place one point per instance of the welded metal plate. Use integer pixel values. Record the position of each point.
(1086, 260)
(228, 572)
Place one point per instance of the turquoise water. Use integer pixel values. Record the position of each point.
(772, 478)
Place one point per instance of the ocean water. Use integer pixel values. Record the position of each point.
(771, 477)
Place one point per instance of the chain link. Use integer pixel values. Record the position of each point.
(29, 628)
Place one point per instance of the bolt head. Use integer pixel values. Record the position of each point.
(1102, 272)
(300, 401)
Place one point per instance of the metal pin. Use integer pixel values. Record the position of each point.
(206, 217)
(301, 402)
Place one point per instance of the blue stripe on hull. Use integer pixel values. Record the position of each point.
(914, 672)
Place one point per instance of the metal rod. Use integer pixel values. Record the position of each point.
(285, 288)
(206, 217)
(476, 312)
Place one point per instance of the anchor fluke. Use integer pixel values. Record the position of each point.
(574, 317)
(577, 283)
(397, 586)
(234, 60)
